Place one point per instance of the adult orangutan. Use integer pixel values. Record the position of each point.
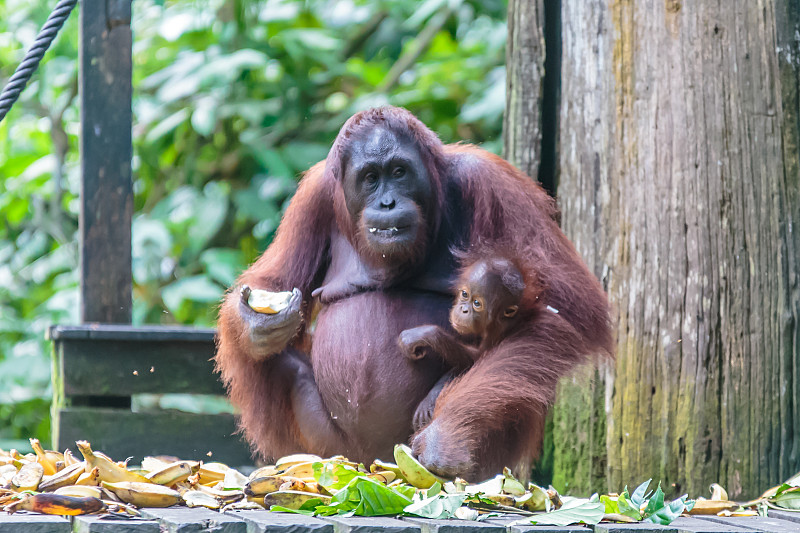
(370, 237)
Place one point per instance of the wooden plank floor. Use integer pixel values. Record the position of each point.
(185, 520)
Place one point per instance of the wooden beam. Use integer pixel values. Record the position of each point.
(106, 194)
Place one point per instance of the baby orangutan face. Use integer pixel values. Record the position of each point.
(487, 299)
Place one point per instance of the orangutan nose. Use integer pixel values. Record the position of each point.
(387, 202)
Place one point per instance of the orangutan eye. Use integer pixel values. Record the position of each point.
(464, 294)
(510, 311)
(371, 178)
(476, 304)
(398, 171)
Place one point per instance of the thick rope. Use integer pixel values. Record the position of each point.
(31, 61)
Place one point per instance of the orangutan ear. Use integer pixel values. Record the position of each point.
(510, 311)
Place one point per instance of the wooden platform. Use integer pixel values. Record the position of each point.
(185, 520)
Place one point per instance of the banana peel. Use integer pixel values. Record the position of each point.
(47, 459)
(108, 470)
(173, 472)
(143, 494)
(28, 477)
(712, 507)
(293, 499)
(265, 485)
(67, 476)
(80, 491)
(196, 498)
(57, 504)
(412, 470)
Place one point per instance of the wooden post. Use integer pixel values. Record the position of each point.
(106, 193)
(679, 181)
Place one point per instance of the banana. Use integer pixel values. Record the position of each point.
(264, 485)
(67, 476)
(381, 466)
(502, 499)
(224, 496)
(293, 499)
(287, 461)
(89, 478)
(69, 458)
(264, 471)
(174, 472)
(490, 486)
(28, 477)
(211, 473)
(711, 507)
(50, 503)
(303, 486)
(234, 479)
(535, 500)
(718, 492)
(80, 491)
(383, 476)
(511, 485)
(151, 464)
(412, 470)
(262, 301)
(301, 470)
(108, 469)
(143, 494)
(47, 459)
(196, 498)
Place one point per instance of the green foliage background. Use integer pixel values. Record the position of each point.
(232, 100)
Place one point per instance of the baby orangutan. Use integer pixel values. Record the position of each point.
(486, 308)
(491, 299)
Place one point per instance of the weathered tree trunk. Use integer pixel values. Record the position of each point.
(679, 181)
(522, 127)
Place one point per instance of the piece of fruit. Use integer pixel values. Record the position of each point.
(108, 469)
(382, 466)
(535, 500)
(51, 503)
(718, 493)
(412, 470)
(173, 472)
(67, 476)
(265, 485)
(143, 494)
(80, 491)
(211, 473)
(267, 302)
(290, 460)
(28, 477)
(46, 458)
(69, 458)
(90, 478)
(264, 471)
(383, 476)
(301, 470)
(196, 498)
(293, 499)
(711, 507)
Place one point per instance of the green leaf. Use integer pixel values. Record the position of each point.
(574, 512)
(440, 506)
(789, 500)
(666, 514)
(627, 508)
(377, 499)
(640, 495)
(655, 502)
(435, 489)
(280, 509)
(612, 504)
